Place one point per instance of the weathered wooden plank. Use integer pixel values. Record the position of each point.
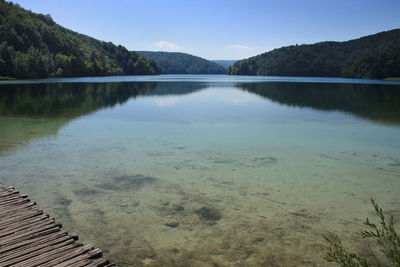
(47, 257)
(18, 253)
(20, 217)
(23, 255)
(34, 209)
(69, 255)
(26, 227)
(14, 201)
(17, 213)
(28, 237)
(13, 206)
(5, 195)
(100, 262)
(22, 213)
(19, 208)
(83, 259)
(12, 194)
(29, 231)
(25, 244)
(28, 220)
(25, 222)
(41, 256)
(11, 197)
(7, 188)
(6, 191)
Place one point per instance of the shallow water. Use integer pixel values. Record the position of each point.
(205, 170)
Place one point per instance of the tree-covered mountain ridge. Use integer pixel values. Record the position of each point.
(34, 46)
(374, 56)
(182, 63)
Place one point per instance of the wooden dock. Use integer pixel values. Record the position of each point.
(28, 237)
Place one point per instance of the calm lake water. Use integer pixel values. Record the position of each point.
(205, 170)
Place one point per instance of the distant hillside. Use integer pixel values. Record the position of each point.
(34, 46)
(374, 56)
(225, 63)
(181, 63)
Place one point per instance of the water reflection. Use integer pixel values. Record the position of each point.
(376, 102)
(69, 100)
(65, 100)
(31, 111)
(49, 106)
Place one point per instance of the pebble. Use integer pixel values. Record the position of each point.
(171, 223)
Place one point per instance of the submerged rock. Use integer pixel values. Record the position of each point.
(63, 201)
(175, 209)
(172, 223)
(178, 208)
(266, 160)
(86, 191)
(209, 214)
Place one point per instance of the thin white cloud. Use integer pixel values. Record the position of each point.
(237, 100)
(238, 47)
(167, 101)
(169, 46)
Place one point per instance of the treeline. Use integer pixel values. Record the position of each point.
(34, 46)
(182, 63)
(374, 56)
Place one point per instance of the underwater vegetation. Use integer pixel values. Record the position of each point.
(384, 233)
(126, 182)
(209, 214)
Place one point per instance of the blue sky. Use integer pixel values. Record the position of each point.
(220, 29)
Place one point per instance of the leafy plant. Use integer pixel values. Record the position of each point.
(384, 232)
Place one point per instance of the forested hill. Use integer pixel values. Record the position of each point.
(181, 63)
(34, 46)
(373, 56)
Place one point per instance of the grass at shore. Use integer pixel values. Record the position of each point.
(6, 78)
(395, 79)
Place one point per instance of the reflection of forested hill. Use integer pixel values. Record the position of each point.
(176, 88)
(372, 101)
(69, 100)
(31, 111)
(65, 99)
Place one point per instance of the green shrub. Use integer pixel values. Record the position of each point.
(385, 233)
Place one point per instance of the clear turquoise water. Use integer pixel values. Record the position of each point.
(253, 170)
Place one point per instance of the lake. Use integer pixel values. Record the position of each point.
(205, 170)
